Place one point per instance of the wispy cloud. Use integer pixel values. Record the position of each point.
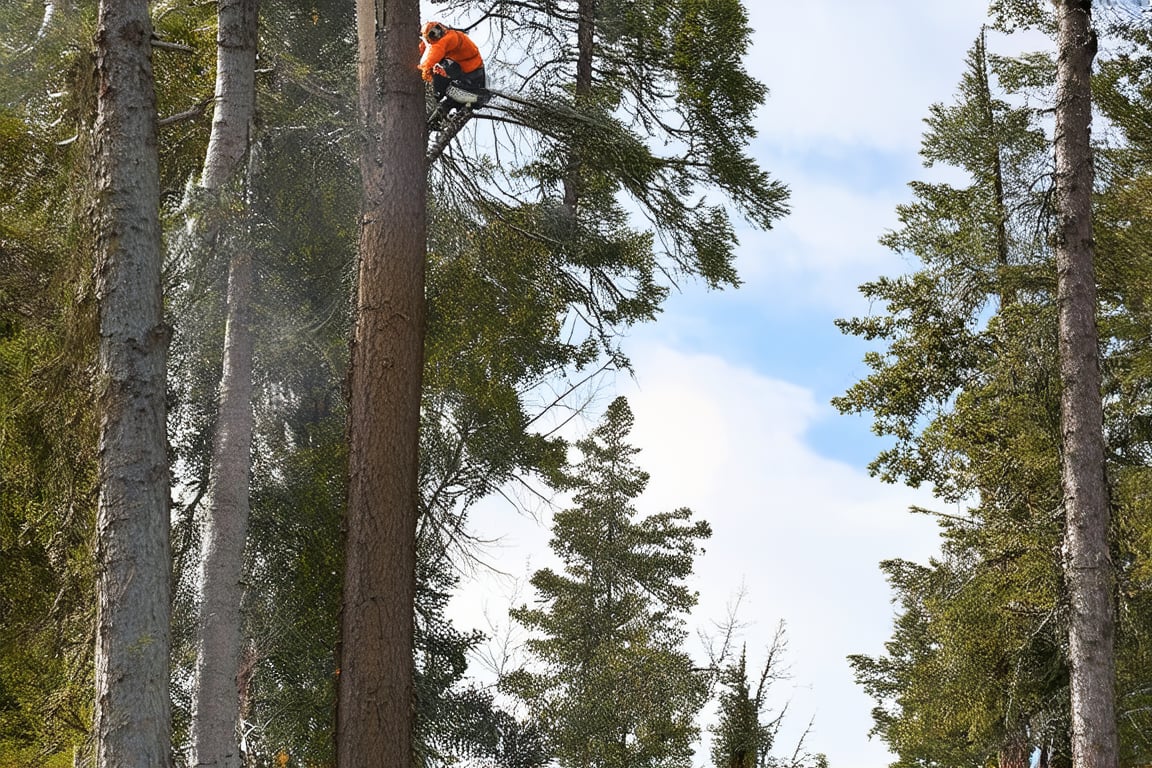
(804, 533)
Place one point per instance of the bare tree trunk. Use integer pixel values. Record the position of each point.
(133, 713)
(585, 50)
(1088, 567)
(216, 700)
(996, 162)
(375, 697)
(216, 703)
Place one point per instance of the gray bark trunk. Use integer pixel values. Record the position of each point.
(133, 714)
(1088, 567)
(585, 51)
(235, 98)
(375, 697)
(216, 701)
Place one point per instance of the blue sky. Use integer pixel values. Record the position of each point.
(732, 388)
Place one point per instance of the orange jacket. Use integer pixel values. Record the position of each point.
(454, 45)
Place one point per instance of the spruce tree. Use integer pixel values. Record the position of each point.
(610, 684)
(966, 387)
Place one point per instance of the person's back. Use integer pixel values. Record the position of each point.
(440, 43)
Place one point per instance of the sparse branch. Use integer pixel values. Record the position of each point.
(164, 45)
(195, 113)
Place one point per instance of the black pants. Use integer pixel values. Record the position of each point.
(474, 81)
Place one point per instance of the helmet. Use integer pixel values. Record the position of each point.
(433, 31)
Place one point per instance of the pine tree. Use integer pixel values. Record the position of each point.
(592, 115)
(611, 685)
(967, 389)
(48, 422)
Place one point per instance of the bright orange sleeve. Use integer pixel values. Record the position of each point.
(433, 53)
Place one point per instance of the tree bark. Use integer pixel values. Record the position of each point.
(996, 165)
(1087, 565)
(585, 51)
(235, 96)
(216, 699)
(133, 714)
(1016, 752)
(375, 697)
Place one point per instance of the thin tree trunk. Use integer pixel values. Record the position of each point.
(216, 704)
(996, 163)
(235, 97)
(133, 714)
(216, 699)
(375, 697)
(585, 49)
(1088, 568)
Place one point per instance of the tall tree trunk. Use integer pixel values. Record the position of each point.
(585, 49)
(133, 714)
(216, 699)
(375, 698)
(996, 165)
(1088, 568)
(235, 97)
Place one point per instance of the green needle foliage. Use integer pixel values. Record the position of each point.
(967, 388)
(610, 685)
(628, 150)
(47, 423)
(976, 670)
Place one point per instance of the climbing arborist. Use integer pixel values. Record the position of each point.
(449, 57)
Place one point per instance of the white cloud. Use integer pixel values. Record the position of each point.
(857, 72)
(804, 534)
(825, 248)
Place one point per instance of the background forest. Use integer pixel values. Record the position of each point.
(559, 226)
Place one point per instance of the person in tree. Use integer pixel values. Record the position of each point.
(449, 57)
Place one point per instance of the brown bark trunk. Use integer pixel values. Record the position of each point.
(1015, 753)
(133, 714)
(216, 699)
(375, 697)
(1088, 568)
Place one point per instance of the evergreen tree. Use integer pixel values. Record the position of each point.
(48, 426)
(978, 666)
(611, 685)
(585, 122)
(975, 670)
